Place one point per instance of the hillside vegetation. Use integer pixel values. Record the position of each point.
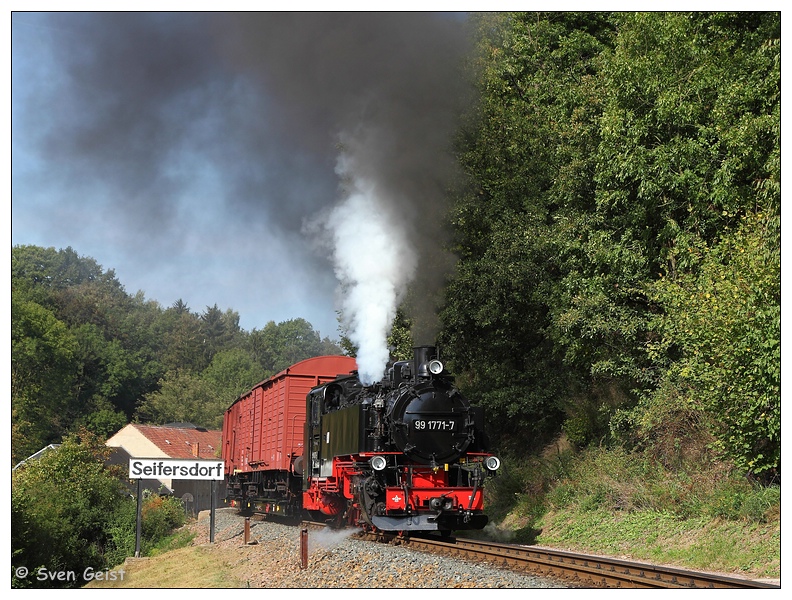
(619, 233)
(616, 306)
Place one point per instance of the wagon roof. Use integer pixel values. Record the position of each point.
(318, 366)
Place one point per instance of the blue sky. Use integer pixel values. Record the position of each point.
(197, 154)
(152, 173)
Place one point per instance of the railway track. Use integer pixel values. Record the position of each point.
(578, 569)
(586, 570)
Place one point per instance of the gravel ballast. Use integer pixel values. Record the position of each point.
(336, 559)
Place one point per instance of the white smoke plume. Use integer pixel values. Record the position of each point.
(373, 261)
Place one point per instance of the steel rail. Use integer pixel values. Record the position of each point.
(580, 570)
(587, 570)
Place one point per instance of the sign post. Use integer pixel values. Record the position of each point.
(170, 468)
(139, 519)
(211, 514)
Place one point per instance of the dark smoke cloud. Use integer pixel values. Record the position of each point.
(387, 87)
(250, 112)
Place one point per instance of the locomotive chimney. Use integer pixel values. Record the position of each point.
(421, 356)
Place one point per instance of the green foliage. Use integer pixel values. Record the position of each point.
(618, 481)
(520, 312)
(104, 421)
(62, 507)
(400, 339)
(615, 164)
(522, 484)
(180, 331)
(86, 354)
(69, 512)
(179, 538)
(184, 397)
(161, 518)
(278, 346)
(691, 135)
(724, 324)
(218, 330)
(42, 376)
(201, 399)
(160, 515)
(232, 372)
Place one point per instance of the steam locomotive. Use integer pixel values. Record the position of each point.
(405, 454)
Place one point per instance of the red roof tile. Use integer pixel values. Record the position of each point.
(180, 443)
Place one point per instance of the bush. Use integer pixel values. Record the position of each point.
(69, 512)
(743, 501)
(617, 480)
(62, 508)
(161, 514)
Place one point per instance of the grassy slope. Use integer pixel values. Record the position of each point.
(739, 548)
(190, 567)
(697, 515)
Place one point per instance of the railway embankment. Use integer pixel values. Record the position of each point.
(267, 554)
(336, 559)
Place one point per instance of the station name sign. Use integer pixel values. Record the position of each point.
(150, 468)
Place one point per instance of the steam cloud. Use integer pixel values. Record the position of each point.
(327, 539)
(308, 127)
(374, 262)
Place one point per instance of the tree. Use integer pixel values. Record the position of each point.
(183, 347)
(689, 169)
(231, 373)
(606, 151)
(183, 396)
(278, 346)
(70, 512)
(527, 151)
(43, 362)
(219, 330)
(108, 375)
(724, 324)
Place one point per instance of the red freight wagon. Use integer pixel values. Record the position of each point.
(263, 430)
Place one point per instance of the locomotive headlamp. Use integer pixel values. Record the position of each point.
(492, 463)
(435, 367)
(378, 463)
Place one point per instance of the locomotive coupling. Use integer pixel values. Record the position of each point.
(441, 503)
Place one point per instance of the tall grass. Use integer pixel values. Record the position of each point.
(618, 482)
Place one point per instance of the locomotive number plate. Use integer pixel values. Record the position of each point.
(435, 424)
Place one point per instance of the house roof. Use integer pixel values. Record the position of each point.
(181, 442)
(37, 455)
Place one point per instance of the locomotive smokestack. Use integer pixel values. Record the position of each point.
(421, 356)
